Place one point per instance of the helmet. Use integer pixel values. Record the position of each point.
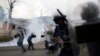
(90, 11)
(58, 18)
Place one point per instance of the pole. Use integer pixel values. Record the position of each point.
(64, 17)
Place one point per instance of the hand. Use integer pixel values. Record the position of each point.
(61, 41)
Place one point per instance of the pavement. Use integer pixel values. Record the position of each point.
(16, 51)
(39, 51)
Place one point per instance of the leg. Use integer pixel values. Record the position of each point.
(32, 46)
(29, 45)
(23, 49)
(92, 48)
(46, 45)
(20, 44)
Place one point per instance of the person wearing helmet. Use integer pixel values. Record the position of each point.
(61, 29)
(61, 32)
(90, 14)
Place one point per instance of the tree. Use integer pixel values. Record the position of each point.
(11, 3)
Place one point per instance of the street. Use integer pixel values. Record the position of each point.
(39, 51)
(16, 51)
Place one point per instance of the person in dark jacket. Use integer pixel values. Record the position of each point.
(61, 32)
(30, 44)
(90, 14)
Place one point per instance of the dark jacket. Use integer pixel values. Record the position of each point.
(31, 36)
(61, 31)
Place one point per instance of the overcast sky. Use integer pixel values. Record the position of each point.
(32, 8)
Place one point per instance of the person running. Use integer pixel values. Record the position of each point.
(29, 40)
(21, 38)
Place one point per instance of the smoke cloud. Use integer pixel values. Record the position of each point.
(27, 9)
(30, 9)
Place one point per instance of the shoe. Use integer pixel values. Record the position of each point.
(33, 49)
(24, 50)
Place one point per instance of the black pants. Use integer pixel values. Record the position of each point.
(30, 45)
(46, 44)
(94, 48)
(66, 50)
(20, 44)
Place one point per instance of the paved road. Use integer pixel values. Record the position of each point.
(39, 51)
(15, 51)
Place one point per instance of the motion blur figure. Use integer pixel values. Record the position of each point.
(90, 14)
(21, 39)
(47, 40)
(30, 44)
(62, 33)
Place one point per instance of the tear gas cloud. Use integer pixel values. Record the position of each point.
(30, 9)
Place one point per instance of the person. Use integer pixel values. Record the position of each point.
(50, 43)
(21, 39)
(52, 46)
(62, 33)
(46, 41)
(48, 37)
(30, 44)
(90, 14)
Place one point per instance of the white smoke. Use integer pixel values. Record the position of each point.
(27, 9)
